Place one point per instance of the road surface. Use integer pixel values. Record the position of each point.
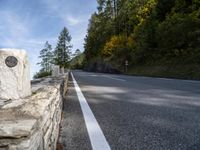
(132, 113)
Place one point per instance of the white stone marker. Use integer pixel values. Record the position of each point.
(14, 74)
(62, 70)
(55, 70)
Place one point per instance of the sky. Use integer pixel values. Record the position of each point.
(28, 24)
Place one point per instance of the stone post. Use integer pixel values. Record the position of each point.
(55, 70)
(62, 70)
(14, 74)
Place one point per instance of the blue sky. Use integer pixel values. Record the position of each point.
(27, 24)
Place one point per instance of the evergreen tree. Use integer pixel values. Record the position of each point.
(156, 32)
(46, 57)
(63, 49)
(77, 52)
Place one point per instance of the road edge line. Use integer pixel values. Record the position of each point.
(97, 138)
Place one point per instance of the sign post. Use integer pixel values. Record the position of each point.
(126, 65)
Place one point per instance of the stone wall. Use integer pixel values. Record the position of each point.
(33, 123)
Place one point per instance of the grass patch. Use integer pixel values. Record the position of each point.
(191, 72)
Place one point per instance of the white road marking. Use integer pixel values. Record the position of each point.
(97, 138)
(113, 78)
(170, 79)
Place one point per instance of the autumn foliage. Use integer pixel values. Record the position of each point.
(145, 32)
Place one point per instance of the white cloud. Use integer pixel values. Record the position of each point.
(73, 21)
(24, 31)
(55, 9)
(16, 32)
(13, 28)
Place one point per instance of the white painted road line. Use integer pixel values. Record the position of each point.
(97, 138)
(113, 78)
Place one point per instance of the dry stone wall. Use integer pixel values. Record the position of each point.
(33, 123)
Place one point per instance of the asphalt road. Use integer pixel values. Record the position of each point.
(134, 113)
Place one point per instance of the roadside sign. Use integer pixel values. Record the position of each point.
(126, 62)
(126, 65)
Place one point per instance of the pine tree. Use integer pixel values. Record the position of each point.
(77, 52)
(46, 57)
(63, 49)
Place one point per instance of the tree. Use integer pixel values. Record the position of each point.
(101, 4)
(63, 49)
(145, 32)
(77, 61)
(46, 57)
(118, 49)
(77, 53)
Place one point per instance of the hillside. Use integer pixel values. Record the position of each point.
(157, 38)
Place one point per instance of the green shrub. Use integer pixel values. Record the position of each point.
(41, 74)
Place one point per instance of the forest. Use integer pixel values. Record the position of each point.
(156, 38)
